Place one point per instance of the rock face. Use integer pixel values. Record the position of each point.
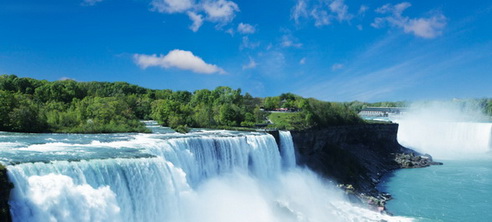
(5, 187)
(411, 160)
(357, 156)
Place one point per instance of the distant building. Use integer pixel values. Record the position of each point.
(280, 110)
(381, 111)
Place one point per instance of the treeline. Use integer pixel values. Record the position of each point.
(227, 108)
(357, 106)
(483, 105)
(471, 105)
(310, 112)
(30, 105)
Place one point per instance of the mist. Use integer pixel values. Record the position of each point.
(295, 196)
(445, 129)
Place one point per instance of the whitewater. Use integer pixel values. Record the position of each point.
(206, 175)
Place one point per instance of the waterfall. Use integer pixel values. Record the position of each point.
(210, 177)
(287, 150)
(445, 129)
(96, 190)
(208, 156)
(446, 139)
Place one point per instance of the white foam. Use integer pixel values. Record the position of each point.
(56, 198)
(10, 145)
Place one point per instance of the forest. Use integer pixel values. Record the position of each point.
(68, 106)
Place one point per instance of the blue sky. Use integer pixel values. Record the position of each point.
(335, 50)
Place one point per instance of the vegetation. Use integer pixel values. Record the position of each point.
(357, 106)
(486, 106)
(309, 113)
(29, 105)
(287, 121)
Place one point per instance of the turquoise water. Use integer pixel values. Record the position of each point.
(459, 190)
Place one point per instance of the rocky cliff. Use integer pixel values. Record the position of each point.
(5, 187)
(356, 157)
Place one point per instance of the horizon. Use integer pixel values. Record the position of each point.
(331, 50)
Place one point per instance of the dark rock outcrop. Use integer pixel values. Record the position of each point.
(356, 156)
(5, 187)
(412, 160)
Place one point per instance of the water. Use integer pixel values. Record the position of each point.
(287, 150)
(207, 175)
(459, 190)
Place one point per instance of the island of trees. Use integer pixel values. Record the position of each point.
(68, 106)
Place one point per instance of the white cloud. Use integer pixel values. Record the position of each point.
(246, 28)
(299, 10)
(302, 61)
(396, 10)
(290, 41)
(221, 11)
(426, 27)
(197, 21)
(179, 59)
(321, 17)
(248, 44)
(322, 12)
(90, 2)
(340, 9)
(430, 27)
(363, 9)
(251, 65)
(336, 66)
(230, 31)
(359, 27)
(172, 6)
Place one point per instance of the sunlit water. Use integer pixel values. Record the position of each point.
(207, 175)
(460, 190)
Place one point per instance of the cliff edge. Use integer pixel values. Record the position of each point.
(356, 157)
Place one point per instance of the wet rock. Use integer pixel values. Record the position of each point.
(414, 160)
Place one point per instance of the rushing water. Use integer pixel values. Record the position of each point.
(207, 175)
(459, 190)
